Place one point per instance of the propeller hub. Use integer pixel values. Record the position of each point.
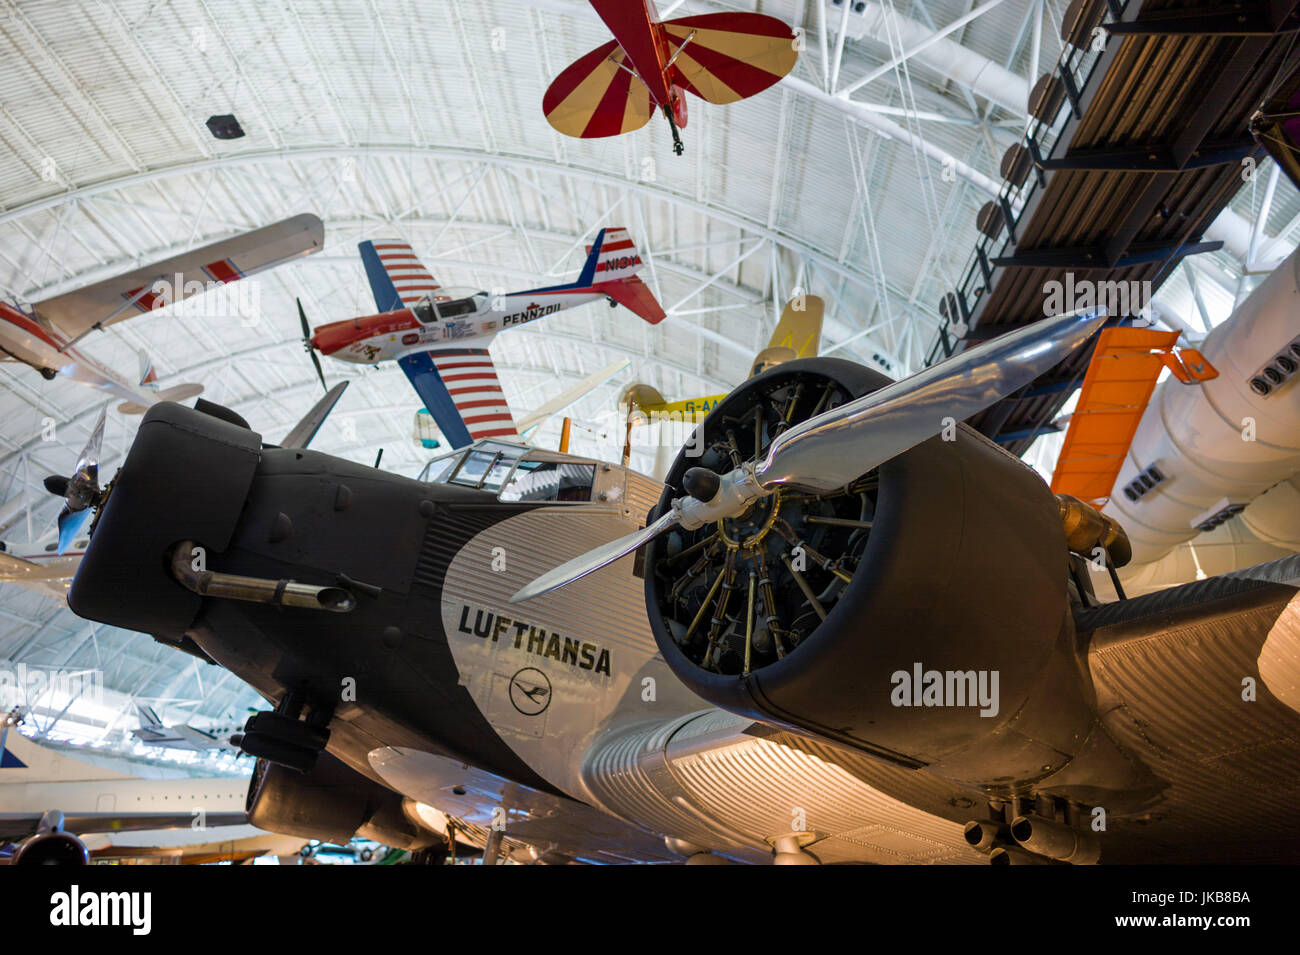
(701, 484)
(735, 492)
(56, 484)
(748, 529)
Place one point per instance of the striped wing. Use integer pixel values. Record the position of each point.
(397, 277)
(598, 96)
(461, 390)
(732, 55)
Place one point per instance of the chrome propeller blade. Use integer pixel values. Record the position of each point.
(90, 453)
(584, 564)
(827, 452)
(831, 450)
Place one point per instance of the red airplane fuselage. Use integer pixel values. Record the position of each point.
(636, 28)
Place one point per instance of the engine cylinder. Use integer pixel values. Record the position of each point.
(920, 614)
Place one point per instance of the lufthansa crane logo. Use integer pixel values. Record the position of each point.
(530, 691)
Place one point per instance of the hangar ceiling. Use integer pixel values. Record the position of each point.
(857, 179)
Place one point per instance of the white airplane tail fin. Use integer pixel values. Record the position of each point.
(26, 761)
(616, 257)
(174, 393)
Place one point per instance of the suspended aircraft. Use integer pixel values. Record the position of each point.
(439, 337)
(45, 337)
(651, 65)
(797, 335)
(39, 573)
(850, 630)
(154, 732)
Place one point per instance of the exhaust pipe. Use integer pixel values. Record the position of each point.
(1010, 855)
(984, 835)
(1055, 840)
(261, 590)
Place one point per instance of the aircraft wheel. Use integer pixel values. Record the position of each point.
(431, 855)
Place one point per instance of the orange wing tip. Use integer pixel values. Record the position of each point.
(1189, 366)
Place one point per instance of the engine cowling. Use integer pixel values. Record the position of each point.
(332, 803)
(829, 613)
(51, 848)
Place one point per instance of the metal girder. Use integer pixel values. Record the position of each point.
(868, 117)
(1098, 258)
(1238, 18)
(1189, 141)
(366, 224)
(925, 44)
(1152, 158)
(583, 174)
(1018, 435)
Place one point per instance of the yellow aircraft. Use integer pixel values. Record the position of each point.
(798, 335)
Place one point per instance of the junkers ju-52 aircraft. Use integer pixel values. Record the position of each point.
(856, 632)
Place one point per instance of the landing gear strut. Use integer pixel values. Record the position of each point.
(678, 148)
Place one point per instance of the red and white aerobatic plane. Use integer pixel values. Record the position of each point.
(45, 338)
(439, 336)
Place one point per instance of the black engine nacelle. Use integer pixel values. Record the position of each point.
(332, 803)
(51, 848)
(921, 614)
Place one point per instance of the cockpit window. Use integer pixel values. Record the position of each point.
(515, 472)
(439, 469)
(427, 310)
(456, 308)
(550, 481)
(485, 468)
(485, 465)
